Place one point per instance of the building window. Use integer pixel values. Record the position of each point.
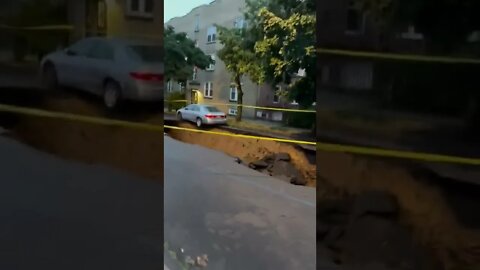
(211, 34)
(102, 13)
(355, 19)
(412, 34)
(239, 23)
(208, 89)
(140, 8)
(233, 93)
(232, 111)
(197, 23)
(211, 67)
(195, 74)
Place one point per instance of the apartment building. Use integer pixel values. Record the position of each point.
(215, 85)
(121, 18)
(343, 26)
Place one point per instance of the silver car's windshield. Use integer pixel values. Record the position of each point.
(146, 53)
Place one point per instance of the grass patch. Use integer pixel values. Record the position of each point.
(249, 125)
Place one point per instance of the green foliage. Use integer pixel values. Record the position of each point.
(300, 119)
(239, 60)
(174, 106)
(181, 56)
(284, 35)
(287, 42)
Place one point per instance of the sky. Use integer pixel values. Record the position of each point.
(176, 8)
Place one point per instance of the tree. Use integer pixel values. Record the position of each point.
(181, 56)
(282, 9)
(239, 60)
(288, 45)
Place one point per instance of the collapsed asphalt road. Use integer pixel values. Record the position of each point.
(239, 218)
(57, 214)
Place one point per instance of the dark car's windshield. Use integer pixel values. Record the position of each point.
(211, 109)
(147, 53)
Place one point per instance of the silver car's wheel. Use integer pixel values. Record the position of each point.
(179, 117)
(199, 122)
(111, 95)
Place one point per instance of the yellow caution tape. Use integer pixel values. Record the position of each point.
(249, 106)
(41, 28)
(176, 101)
(78, 118)
(71, 28)
(403, 57)
(319, 145)
(127, 124)
(240, 135)
(369, 151)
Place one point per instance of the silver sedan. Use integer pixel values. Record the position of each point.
(112, 68)
(202, 114)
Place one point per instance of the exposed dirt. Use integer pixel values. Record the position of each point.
(138, 152)
(135, 151)
(424, 205)
(248, 150)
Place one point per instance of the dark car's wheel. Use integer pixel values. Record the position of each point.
(179, 116)
(49, 77)
(112, 95)
(199, 122)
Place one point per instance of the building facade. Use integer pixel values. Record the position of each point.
(215, 84)
(342, 25)
(120, 18)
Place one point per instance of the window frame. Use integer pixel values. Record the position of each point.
(197, 23)
(361, 19)
(211, 35)
(208, 89)
(239, 23)
(211, 67)
(232, 111)
(141, 12)
(233, 89)
(195, 74)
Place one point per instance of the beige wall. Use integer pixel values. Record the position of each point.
(120, 24)
(221, 12)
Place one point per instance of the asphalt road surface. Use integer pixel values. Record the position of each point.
(56, 214)
(239, 218)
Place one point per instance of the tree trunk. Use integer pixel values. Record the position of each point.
(239, 99)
